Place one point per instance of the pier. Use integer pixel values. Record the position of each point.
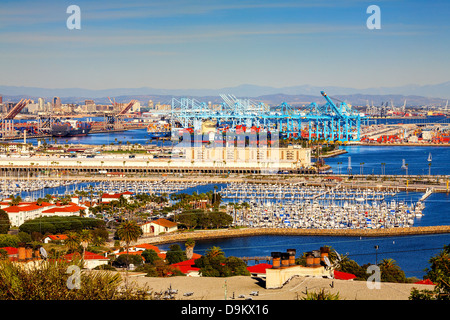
(428, 193)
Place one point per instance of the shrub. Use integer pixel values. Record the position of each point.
(9, 240)
(48, 281)
(4, 222)
(55, 225)
(121, 260)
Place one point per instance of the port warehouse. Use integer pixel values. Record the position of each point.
(190, 160)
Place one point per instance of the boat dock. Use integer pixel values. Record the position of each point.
(428, 193)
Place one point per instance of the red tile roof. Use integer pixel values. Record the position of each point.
(29, 207)
(68, 208)
(148, 246)
(259, 268)
(162, 256)
(11, 250)
(116, 195)
(130, 252)
(57, 236)
(343, 275)
(111, 196)
(164, 223)
(426, 281)
(185, 266)
(87, 256)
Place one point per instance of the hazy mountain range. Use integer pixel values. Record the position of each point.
(414, 94)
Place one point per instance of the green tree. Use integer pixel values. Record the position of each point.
(189, 248)
(85, 237)
(128, 231)
(150, 256)
(15, 200)
(99, 236)
(215, 264)
(438, 273)
(5, 224)
(391, 272)
(175, 254)
(72, 242)
(9, 240)
(125, 260)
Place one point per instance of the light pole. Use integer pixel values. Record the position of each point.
(376, 254)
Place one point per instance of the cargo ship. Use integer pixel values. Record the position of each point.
(70, 128)
(159, 129)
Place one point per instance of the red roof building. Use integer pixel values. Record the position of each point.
(158, 226)
(259, 269)
(147, 246)
(343, 275)
(426, 281)
(187, 267)
(91, 260)
(55, 237)
(107, 197)
(11, 251)
(67, 210)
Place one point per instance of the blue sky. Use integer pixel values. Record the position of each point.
(215, 44)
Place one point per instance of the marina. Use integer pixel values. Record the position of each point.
(319, 207)
(268, 206)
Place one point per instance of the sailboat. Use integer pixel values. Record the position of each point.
(429, 157)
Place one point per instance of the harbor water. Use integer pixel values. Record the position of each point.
(389, 160)
(410, 252)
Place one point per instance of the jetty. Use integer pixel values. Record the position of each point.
(251, 232)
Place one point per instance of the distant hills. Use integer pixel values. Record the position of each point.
(415, 95)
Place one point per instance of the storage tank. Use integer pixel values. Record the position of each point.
(29, 253)
(22, 253)
(285, 259)
(276, 257)
(324, 251)
(291, 253)
(309, 259)
(316, 254)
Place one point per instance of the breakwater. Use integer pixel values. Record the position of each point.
(250, 232)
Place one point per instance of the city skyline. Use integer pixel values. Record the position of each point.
(197, 44)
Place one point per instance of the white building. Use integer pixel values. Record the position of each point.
(159, 226)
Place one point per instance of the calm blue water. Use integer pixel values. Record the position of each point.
(411, 252)
(139, 136)
(392, 156)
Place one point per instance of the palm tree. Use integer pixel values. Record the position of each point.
(128, 231)
(72, 241)
(189, 244)
(84, 237)
(388, 263)
(214, 252)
